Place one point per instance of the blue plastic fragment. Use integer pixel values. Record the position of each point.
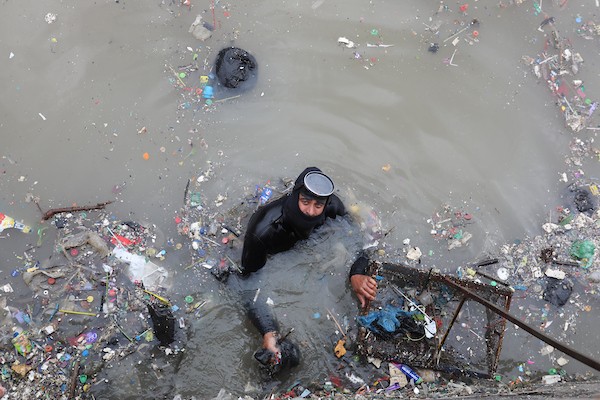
(386, 318)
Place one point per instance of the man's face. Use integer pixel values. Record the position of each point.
(310, 207)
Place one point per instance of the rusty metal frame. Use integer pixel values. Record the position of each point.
(423, 279)
(507, 316)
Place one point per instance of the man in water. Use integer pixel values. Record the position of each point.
(274, 228)
(277, 226)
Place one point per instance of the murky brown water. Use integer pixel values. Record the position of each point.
(479, 132)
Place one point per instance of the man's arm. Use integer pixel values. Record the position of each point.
(254, 254)
(259, 234)
(263, 319)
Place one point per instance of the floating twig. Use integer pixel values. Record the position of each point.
(227, 98)
(73, 382)
(176, 75)
(50, 213)
(459, 32)
(336, 322)
(120, 328)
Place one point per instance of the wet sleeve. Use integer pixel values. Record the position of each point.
(260, 314)
(254, 254)
(335, 207)
(359, 267)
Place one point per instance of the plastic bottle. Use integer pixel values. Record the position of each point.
(265, 195)
(410, 373)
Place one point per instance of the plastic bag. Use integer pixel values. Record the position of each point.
(234, 67)
(583, 250)
(558, 291)
(163, 322)
(141, 269)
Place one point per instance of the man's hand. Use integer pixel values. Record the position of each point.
(270, 343)
(365, 288)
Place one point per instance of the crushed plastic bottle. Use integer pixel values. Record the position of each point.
(265, 195)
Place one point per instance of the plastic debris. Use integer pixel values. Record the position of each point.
(550, 379)
(140, 269)
(265, 196)
(7, 288)
(339, 349)
(348, 43)
(390, 320)
(236, 68)
(22, 343)
(408, 371)
(7, 222)
(375, 361)
(199, 29)
(558, 291)
(50, 18)
(414, 254)
(398, 379)
(86, 237)
(554, 65)
(555, 273)
(583, 250)
(562, 361)
(163, 322)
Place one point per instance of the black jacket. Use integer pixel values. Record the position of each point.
(273, 228)
(276, 227)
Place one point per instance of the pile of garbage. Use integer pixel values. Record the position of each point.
(94, 302)
(589, 30)
(559, 275)
(557, 65)
(214, 234)
(450, 224)
(203, 81)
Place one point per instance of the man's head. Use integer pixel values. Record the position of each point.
(304, 208)
(314, 189)
(311, 207)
